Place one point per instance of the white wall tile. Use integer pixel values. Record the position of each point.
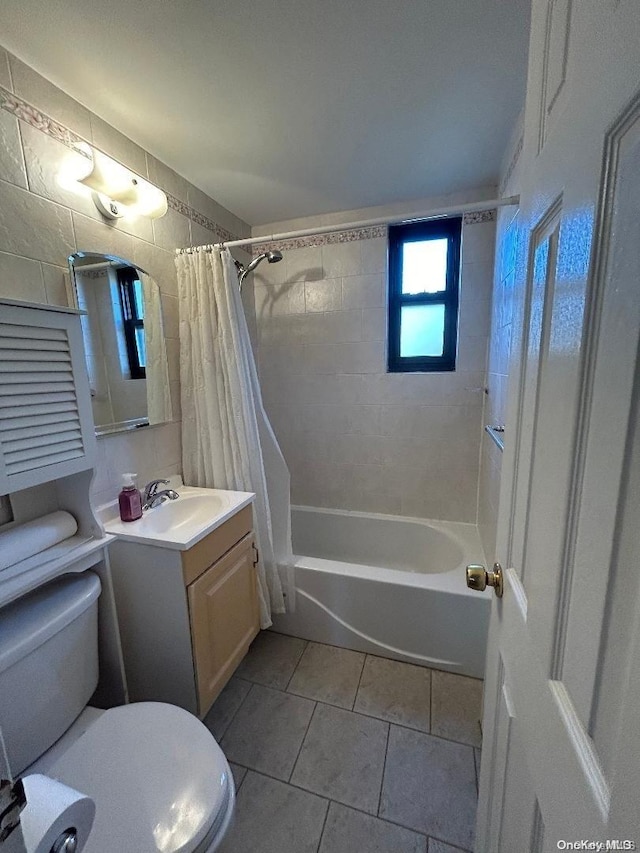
(11, 159)
(21, 278)
(165, 178)
(364, 291)
(323, 295)
(93, 236)
(171, 231)
(118, 146)
(56, 285)
(5, 76)
(46, 97)
(374, 324)
(302, 265)
(33, 227)
(348, 427)
(342, 259)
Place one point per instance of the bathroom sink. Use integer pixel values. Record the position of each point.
(185, 511)
(180, 523)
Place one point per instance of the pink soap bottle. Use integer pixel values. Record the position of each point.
(129, 499)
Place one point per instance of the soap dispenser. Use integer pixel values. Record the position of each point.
(129, 499)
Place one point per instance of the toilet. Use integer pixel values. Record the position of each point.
(159, 780)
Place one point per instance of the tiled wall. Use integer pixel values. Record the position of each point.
(499, 347)
(42, 223)
(356, 437)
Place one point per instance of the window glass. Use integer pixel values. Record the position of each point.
(421, 330)
(140, 346)
(137, 290)
(424, 266)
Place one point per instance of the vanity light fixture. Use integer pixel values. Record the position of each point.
(117, 191)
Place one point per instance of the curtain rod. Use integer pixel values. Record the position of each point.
(435, 213)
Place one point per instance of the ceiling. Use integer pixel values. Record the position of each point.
(294, 107)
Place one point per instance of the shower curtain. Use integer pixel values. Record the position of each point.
(227, 440)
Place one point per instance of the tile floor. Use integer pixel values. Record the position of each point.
(335, 751)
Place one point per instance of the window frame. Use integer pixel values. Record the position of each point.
(126, 278)
(432, 229)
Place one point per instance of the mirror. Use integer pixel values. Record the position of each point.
(124, 342)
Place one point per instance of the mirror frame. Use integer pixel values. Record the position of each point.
(109, 429)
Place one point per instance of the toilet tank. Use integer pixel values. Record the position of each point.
(48, 664)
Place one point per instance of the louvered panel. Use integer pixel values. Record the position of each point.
(16, 366)
(9, 344)
(55, 458)
(28, 354)
(38, 333)
(49, 402)
(31, 427)
(23, 457)
(37, 382)
(28, 377)
(36, 443)
(14, 412)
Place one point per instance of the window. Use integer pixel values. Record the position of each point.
(132, 303)
(424, 268)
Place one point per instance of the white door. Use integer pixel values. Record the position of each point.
(561, 753)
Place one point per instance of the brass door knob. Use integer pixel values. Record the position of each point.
(479, 578)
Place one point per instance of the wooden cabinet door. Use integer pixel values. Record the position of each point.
(223, 606)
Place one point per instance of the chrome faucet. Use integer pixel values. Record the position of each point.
(152, 497)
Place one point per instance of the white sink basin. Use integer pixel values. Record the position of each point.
(180, 523)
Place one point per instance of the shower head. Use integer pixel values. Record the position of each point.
(272, 258)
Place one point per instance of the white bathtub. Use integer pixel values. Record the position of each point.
(391, 586)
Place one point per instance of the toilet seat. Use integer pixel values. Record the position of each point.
(160, 782)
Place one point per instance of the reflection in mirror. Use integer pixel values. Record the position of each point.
(124, 342)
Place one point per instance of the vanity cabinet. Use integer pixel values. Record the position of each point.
(187, 618)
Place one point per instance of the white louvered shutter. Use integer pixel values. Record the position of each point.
(46, 425)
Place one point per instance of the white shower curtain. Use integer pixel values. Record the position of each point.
(227, 440)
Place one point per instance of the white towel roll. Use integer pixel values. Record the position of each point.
(52, 808)
(31, 538)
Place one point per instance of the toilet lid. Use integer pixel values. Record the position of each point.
(156, 774)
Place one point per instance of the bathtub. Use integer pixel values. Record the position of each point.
(391, 586)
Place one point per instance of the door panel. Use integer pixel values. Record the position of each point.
(562, 719)
(223, 608)
(592, 539)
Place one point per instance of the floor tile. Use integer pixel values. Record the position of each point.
(238, 773)
(328, 674)
(441, 847)
(272, 817)
(430, 786)
(342, 757)
(349, 831)
(267, 731)
(224, 708)
(395, 691)
(456, 707)
(272, 659)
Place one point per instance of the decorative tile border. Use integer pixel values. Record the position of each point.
(30, 115)
(41, 121)
(322, 239)
(479, 216)
(354, 234)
